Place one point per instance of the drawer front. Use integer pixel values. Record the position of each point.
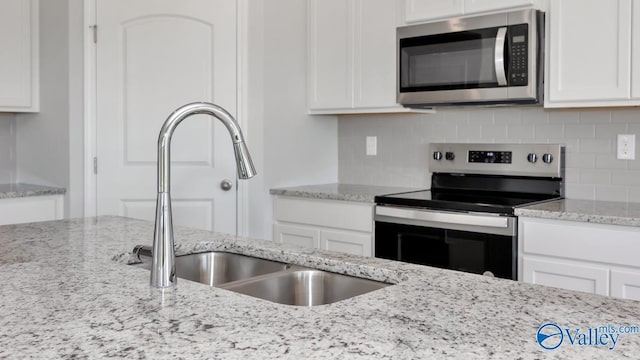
(347, 242)
(31, 209)
(326, 213)
(583, 241)
(297, 235)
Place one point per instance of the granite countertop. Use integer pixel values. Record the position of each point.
(600, 212)
(67, 293)
(337, 191)
(8, 191)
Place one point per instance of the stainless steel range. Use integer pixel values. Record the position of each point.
(466, 220)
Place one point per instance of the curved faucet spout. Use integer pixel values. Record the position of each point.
(163, 259)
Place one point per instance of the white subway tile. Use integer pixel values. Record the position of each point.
(609, 161)
(579, 131)
(611, 193)
(549, 131)
(594, 116)
(610, 130)
(578, 191)
(625, 177)
(520, 131)
(507, 116)
(580, 161)
(535, 116)
(563, 117)
(594, 145)
(594, 176)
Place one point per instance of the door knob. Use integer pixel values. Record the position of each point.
(226, 184)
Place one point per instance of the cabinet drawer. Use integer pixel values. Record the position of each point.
(611, 244)
(346, 242)
(31, 209)
(296, 235)
(327, 213)
(625, 284)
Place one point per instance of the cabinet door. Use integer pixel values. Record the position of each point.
(566, 275)
(476, 6)
(330, 53)
(635, 47)
(346, 242)
(589, 57)
(19, 77)
(297, 235)
(424, 10)
(625, 284)
(375, 54)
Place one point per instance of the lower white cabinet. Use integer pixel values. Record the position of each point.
(625, 284)
(31, 209)
(594, 258)
(335, 225)
(567, 275)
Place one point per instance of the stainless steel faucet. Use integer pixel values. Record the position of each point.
(163, 268)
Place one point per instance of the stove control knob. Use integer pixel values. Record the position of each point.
(547, 158)
(532, 158)
(437, 155)
(449, 155)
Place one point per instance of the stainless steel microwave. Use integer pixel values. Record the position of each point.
(491, 59)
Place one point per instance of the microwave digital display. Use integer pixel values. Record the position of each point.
(518, 39)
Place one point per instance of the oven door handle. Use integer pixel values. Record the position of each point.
(444, 217)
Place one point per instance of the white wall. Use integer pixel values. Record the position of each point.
(290, 147)
(49, 143)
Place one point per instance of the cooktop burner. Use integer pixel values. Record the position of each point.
(479, 201)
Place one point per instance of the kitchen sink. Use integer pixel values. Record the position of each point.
(265, 279)
(214, 268)
(305, 287)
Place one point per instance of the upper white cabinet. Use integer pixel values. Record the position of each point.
(424, 10)
(19, 74)
(428, 10)
(352, 56)
(590, 59)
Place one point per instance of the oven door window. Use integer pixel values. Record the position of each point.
(462, 60)
(449, 249)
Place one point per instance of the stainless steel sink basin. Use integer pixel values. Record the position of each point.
(305, 287)
(265, 279)
(214, 268)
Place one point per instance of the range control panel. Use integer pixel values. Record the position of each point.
(497, 159)
(503, 157)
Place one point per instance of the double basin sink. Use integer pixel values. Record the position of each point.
(265, 279)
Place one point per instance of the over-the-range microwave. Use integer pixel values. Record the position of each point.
(488, 60)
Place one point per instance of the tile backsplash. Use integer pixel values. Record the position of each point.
(589, 136)
(7, 148)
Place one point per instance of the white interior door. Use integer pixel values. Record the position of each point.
(152, 57)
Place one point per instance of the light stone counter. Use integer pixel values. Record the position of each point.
(337, 191)
(8, 191)
(600, 212)
(67, 293)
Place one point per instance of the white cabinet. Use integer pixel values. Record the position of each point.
(566, 275)
(31, 209)
(595, 258)
(625, 284)
(19, 74)
(334, 225)
(589, 65)
(431, 10)
(352, 57)
(425, 10)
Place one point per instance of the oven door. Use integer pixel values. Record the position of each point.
(481, 244)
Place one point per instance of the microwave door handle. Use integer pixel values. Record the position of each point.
(501, 37)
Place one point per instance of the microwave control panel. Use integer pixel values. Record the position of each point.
(519, 52)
